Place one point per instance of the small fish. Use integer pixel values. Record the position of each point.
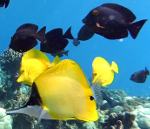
(111, 103)
(33, 63)
(4, 2)
(56, 41)
(140, 76)
(64, 93)
(112, 21)
(25, 37)
(103, 71)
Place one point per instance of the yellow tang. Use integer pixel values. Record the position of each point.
(33, 63)
(64, 93)
(103, 71)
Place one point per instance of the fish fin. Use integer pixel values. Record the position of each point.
(134, 28)
(68, 34)
(146, 71)
(32, 27)
(55, 61)
(116, 34)
(85, 33)
(36, 54)
(96, 88)
(42, 114)
(6, 3)
(126, 13)
(114, 67)
(31, 111)
(98, 61)
(41, 35)
(99, 26)
(66, 52)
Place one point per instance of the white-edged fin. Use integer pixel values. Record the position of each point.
(96, 89)
(35, 111)
(43, 113)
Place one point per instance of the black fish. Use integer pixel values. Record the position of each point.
(4, 2)
(25, 37)
(140, 76)
(112, 21)
(84, 34)
(111, 103)
(56, 41)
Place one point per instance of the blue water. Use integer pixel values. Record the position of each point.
(130, 55)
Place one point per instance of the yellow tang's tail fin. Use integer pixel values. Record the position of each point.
(114, 67)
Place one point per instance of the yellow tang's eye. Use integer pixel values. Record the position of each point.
(95, 12)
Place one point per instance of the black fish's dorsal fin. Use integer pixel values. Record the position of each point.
(126, 13)
(31, 27)
(35, 98)
(146, 71)
(68, 34)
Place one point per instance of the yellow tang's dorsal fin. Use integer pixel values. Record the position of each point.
(99, 61)
(114, 67)
(55, 61)
(68, 68)
(36, 54)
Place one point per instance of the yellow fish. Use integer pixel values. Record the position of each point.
(103, 72)
(33, 63)
(64, 93)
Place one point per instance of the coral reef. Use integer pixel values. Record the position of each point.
(5, 120)
(128, 113)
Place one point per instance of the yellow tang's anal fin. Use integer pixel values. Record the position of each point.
(114, 67)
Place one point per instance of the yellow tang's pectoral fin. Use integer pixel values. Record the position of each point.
(66, 83)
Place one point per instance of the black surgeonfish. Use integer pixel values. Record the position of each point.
(84, 34)
(56, 42)
(140, 76)
(4, 2)
(112, 21)
(25, 37)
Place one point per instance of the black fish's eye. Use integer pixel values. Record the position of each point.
(91, 98)
(95, 12)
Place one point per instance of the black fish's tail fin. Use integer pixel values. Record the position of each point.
(66, 52)
(6, 3)
(41, 34)
(136, 27)
(146, 71)
(68, 34)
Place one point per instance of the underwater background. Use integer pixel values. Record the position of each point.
(130, 54)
